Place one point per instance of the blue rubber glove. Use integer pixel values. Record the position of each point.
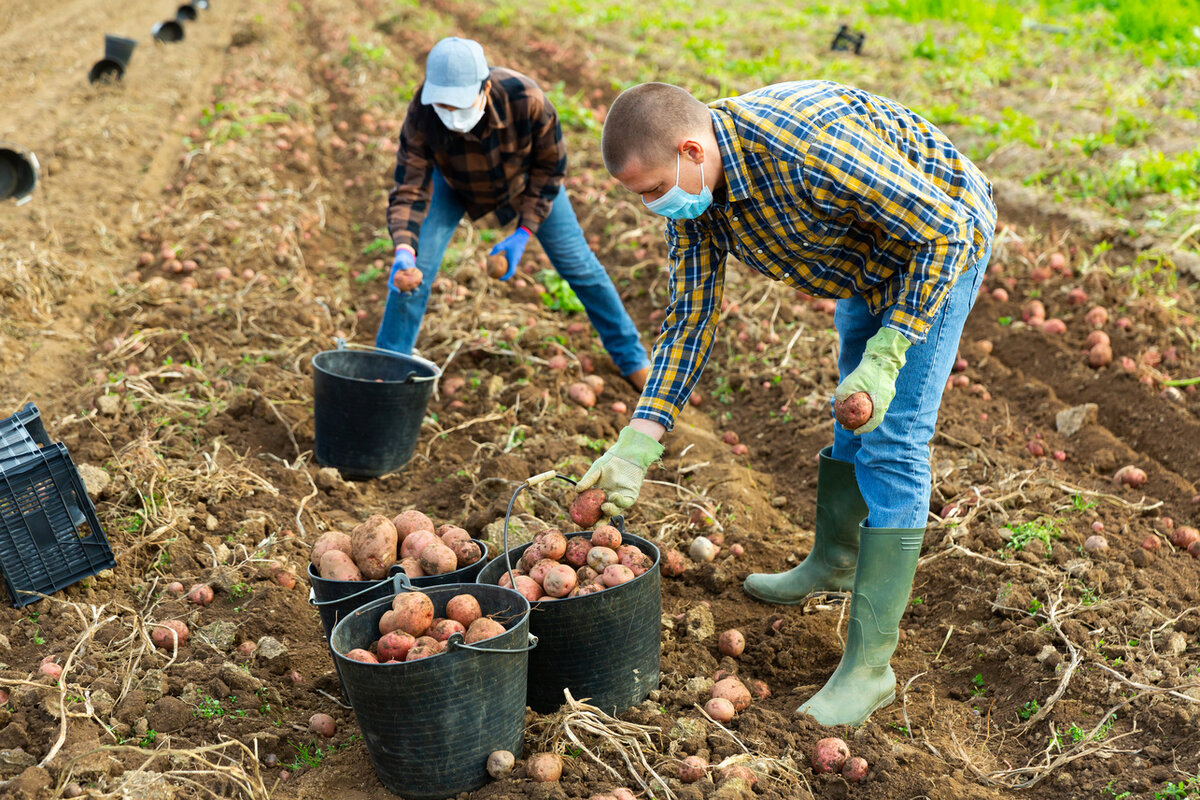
(406, 258)
(513, 247)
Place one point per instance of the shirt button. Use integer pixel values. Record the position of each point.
(759, 250)
(735, 217)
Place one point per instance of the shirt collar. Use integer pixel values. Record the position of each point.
(733, 161)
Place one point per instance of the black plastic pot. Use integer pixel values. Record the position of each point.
(186, 13)
(18, 172)
(430, 725)
(167, 31)
(368, 406)
(604, 646)
(117, 52)
(335, 599)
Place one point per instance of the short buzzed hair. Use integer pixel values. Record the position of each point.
(647, 121)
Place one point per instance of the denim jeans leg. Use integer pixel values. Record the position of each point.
(404, 311)
(892, 461)
(568, 250)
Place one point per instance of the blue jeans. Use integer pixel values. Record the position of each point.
(565, 245)
(892, 462)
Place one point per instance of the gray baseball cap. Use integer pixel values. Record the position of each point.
(454, 72)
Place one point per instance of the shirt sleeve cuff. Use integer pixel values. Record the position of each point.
(656, 410)
(908, 322)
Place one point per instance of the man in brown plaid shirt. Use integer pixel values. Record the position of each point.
(488, 140)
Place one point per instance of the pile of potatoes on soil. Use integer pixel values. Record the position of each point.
(410, 539)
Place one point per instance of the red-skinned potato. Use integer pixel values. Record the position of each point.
(560, 580)
(394, 646)
(483, 629)
(855, 769)
(365, 656)
(500, 764)
(854, 411)
(1100, 355)
(390, 621)
(411, 521)
(692, 769)
(1183, 536)
(407, 280)
(585, 574)
(415, 542)
(528, 587)
(731, 643)
(544, 767)
(496, 265)
(165, 634)
(585, 510)
(438, 559)
(411, 567)
(443, 629)
(739, 771)
(466, 553)
(719, 709)
(581, 394)
(464, 609)
(175, 588)
(595, 383)
(734, 691)
(606, 536)
(552, 543)
(531, 556)
(616, 574)
(422, 651)
(538, 571)
(600, 558)
(673, 562)
(577, 551)
(1130, 476)
(330, 540)
(453, 534)
(829, 755)
(414, 612)
(337, 566)
(322, 725)
(373, 546)
(201, 594)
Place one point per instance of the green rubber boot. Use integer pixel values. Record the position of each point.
(829, 566)
(864, 681)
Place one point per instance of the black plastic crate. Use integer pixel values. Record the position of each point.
(21, 434)
(42, 549)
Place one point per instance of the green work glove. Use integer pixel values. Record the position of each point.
(621, 470)
(876, 374)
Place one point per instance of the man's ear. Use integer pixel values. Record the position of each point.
(692, 150)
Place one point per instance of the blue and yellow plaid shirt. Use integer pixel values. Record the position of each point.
(835, 192)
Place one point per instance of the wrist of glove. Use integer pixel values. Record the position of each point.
(512, 248)
(621, 470)
(876, 374)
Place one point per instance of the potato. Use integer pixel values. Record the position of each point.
(453, 534)
(438, 559)
(390, 621)
(734, 691)
(54, 670)
(1095, 544)
(466, 553)
(606, 536)
(855, 769)
(496, 265)
(246, 649)
(422, 651)
(1033, 312)
(560, 580)
(528, 587)
(1097, 337)
(673, 563)
(166, 633)
(637, 561)
(330, 540)
(585, 574)
(740, 772)
(544, 767)
(337, 566)
(1183, 536)
(829, 755)
(464, 609)
(1054, 326)
(322, 725)
(482, 629)
(412, 567)
(500, 764)
(415, 542)
(719, 709)
(1100, 355)
(731, 643)
(552, 543)
(1194, 549)
(443, 629)
(407, 280)
(414, 612)
(411, 521)
(582, 590)
(1130, 476)
(394, 646)
(373, 546)
(201, 594)
(538, 571)
(599, 558)
(760, 689)
(615, 575)
(581, 394)
(577, 551)
(692, 769)
(702, 549)
(854, 411)
(531, 556)
(585, 510)
(1096, 316)
(175, 589)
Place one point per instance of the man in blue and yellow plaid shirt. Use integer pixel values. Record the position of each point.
(838, 193)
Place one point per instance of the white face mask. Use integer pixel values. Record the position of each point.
(462, 120)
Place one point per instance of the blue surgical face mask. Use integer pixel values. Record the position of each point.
(676, 203)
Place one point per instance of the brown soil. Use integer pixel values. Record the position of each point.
(263, 144)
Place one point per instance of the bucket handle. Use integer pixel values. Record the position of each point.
(618, 521)
(399, 581)
(342, 344)
(457, 641)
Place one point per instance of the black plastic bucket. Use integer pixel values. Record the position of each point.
(117, 52)
(335, 599)
(167, 31)
(430, 725)
(185, 13)
(604, 646)
(18, 172)
(368, 407)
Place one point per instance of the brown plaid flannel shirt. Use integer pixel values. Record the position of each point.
(512, 162)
